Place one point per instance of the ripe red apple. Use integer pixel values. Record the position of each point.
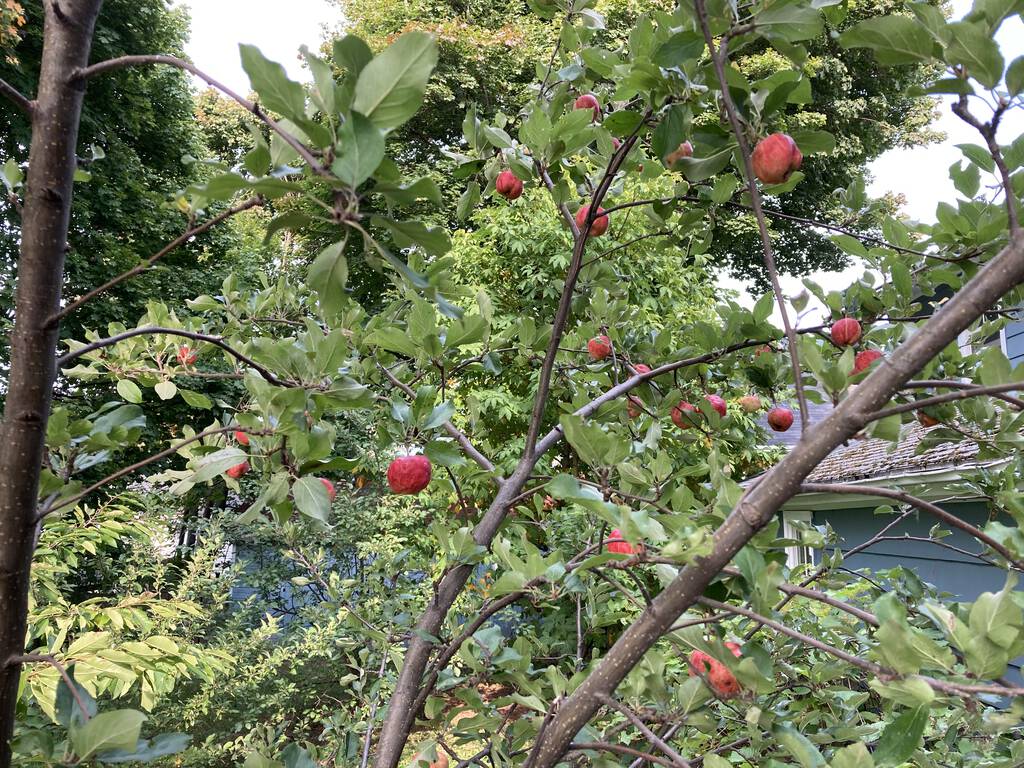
(616, 143)
(641, 368)
(750, 403)
(589, 101)
(600, 225)
(863, 360)
(681, 415)
(599, 347)
(735, 648)
(508, 185)
(683, 150)
(634, 406)
(846, 332)
(242, 437)
(718, 404)
(775, 157)
(238, 470)
(620, 546)
(780, 418)
(927, 421)
(331, 491)
(186, 356)
(722, 681)
(409, 475)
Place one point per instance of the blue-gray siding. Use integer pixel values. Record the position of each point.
(1015, 342)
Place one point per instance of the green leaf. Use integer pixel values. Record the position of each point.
(852, 756)
(107, 731)
(901, 737)
(698, 169)
(1015, 76)
(67, 710)
(165, 390)
(195, 399)
(390, 88)
(277, 92)
(894, 39)
(295, 756)
(791, 22)
(328, 276)
(323, 77)
(360, 151)
(311, 498)
(352, 53)
(971, 46)
(814, 142)
(146, 751)
(799, 746)
(439, 415)
(679, 49)
(210, 466)
(588, 440)
(445, 454)
(433, 240)
(129, 390)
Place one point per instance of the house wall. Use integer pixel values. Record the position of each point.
(958, 574)
(1013, 338)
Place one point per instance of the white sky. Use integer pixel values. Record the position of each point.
(922, 174)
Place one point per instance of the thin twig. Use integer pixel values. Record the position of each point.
(373, 714)
(48, 510)
(718, 58)
(172, 61)
(677, 760)
(460, 437)
(967, 390)
(621, 749)
(216, 341)
(145, 265)
(45, 658)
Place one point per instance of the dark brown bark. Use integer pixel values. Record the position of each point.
(52, 161)
(762, 502)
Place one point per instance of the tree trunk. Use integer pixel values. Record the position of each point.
(68, 30)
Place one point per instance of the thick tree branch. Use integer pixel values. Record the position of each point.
(216, 341)
(111, 65)
(761, 502)
(174, 244)
(718, 58)
(21, 101)
(925, 506)
(125, 471)
(460, 437)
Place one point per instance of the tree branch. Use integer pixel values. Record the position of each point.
(174, 244)
(460, 437)
(966, 390)
(925, 506)
(621, 749)
(45, 658)
(677, 760)
(49, 510)
(21, 101)
(988, 131)
(216, 341)
(718, 58)
(86, 73)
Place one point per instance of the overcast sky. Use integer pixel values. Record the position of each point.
(218, 26)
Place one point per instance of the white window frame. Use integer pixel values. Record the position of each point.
(797, 554)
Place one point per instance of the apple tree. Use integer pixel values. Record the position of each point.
(723, 652)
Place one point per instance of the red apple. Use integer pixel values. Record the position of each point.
(242, 437)
(238, 470)
(409, 475)
(186, 356)
(764, 349)
(589, 101)
(508, 185)
(775, 157)
(620, 546)
(722, 681)
(750, 403)
(927, 421)
(780, 418)
(683, 150)
(599, 347)
(331, 491)
(634, 406)
(616, 143)
(600, 224)
(863, 360)
(641, 368)
(681, 415)
(735, 648)
(846, 332)
(718, 404)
